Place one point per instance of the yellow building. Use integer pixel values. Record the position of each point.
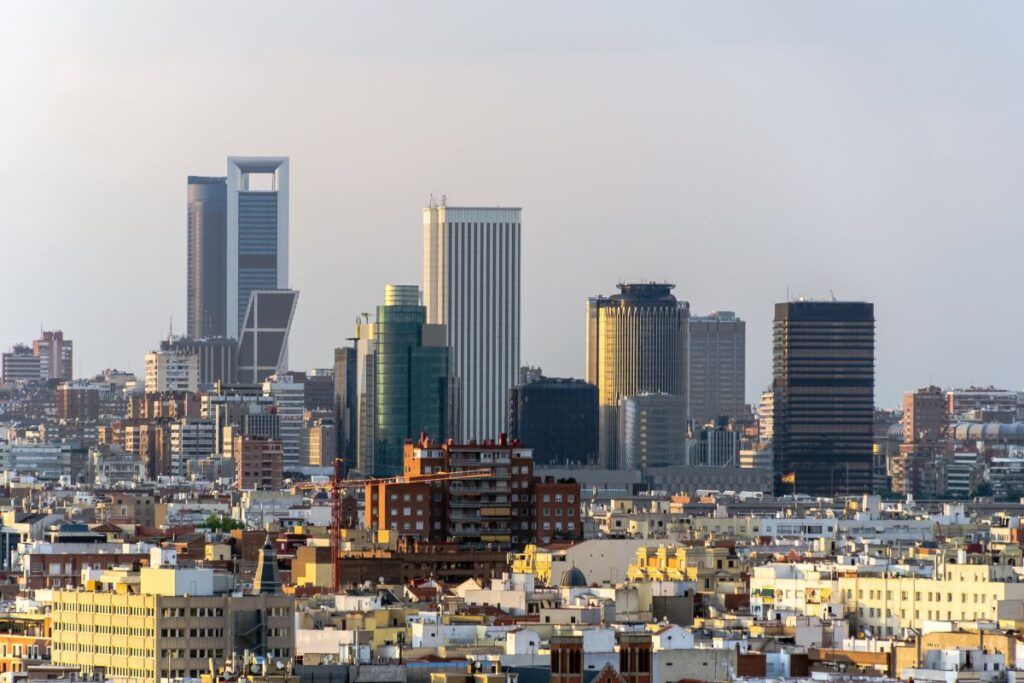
(959, 592)
(165, 622)
(705, 565)
(533, 560)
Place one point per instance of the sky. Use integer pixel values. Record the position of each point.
(744, 151)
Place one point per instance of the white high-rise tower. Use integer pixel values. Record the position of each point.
(471, 284)
(257, 232)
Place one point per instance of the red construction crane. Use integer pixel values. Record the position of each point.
(339, 484)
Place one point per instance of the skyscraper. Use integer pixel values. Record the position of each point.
(823, 386)
(411, 392)
(263, 340)
(471, 284)
(257, 232)
(717, 368)
(636, 344)
(206, 297)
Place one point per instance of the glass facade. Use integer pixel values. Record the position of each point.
(411, 382)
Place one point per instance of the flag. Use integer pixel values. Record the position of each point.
(789, 478)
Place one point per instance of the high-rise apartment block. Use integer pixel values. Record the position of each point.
(259, 463)
(636, 344)
(78, 402)
(55, 355)
(171, 371)
(206, 296)
(924, 415)
(557, 418)
(290, 406)
(508, 507)
(823, 385)
(717, 369)
(471, 284)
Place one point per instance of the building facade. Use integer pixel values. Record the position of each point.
(290, 406)
(651, 434)
(411, 377)
(171, 371)
(259, 463)
(218, 357)
(717, 368)
(56, 355)
(636, 344)
(206, 279)
(557, 418)
(823, 388)
(471, 284)
(257, 232)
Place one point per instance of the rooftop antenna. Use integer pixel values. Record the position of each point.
(444, 200)
(832, 295)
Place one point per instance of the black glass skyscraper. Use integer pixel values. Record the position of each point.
(824, 384)
(557, 418)
(206, 296)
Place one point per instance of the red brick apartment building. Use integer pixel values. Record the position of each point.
(509, 507)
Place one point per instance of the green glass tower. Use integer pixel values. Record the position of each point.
(411, 377)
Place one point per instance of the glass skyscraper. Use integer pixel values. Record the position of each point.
(411, 377)
(824, 393)
(207, 253)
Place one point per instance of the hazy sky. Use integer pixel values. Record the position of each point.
(869, 149)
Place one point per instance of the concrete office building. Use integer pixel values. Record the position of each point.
(557, 418)
(164, 623)
(651, 433)
(717, 369)
(824, 389)
(206, 280)
(471, 284)
(290, 400)
(636, 344)
(21, 365)
(171, 371)
(257, 232)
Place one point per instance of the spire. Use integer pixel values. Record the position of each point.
(266, 581)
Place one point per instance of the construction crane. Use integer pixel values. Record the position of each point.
(338, 484)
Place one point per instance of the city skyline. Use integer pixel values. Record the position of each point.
(871, 199)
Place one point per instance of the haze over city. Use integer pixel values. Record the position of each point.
(742, 151)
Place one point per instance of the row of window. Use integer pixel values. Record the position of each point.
(103, 628)
(192, 633)
(105, 609)
(102, 649)
(935, 596)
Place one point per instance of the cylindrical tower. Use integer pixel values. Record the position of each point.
(636, 344)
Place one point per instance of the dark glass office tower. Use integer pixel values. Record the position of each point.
(824, 384)
(206, 296)
(557, 418)
(411, 377)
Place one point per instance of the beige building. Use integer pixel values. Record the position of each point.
(886, 604)
(171, 371)
(636, 344)
(165, 622)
